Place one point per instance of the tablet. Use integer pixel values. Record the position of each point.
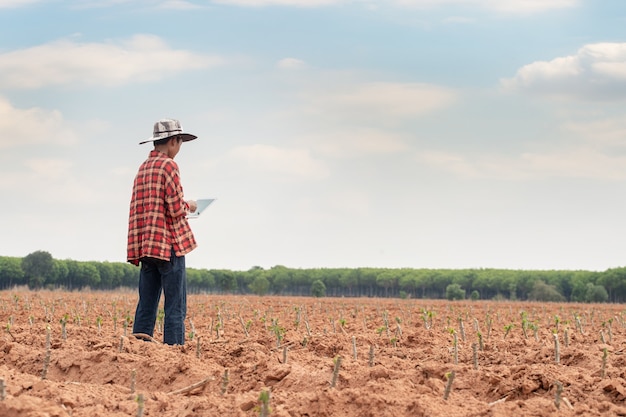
(202, 203)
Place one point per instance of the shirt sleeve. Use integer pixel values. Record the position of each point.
(175, 205)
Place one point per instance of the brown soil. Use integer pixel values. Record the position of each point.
(90, 372)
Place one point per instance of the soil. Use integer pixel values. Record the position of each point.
(293, 347)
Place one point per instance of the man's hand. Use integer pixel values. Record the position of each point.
(193, 206)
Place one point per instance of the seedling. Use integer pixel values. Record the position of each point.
(557, 354)
(265, 409)
(160, 319)
(475, 355)
(557, 396)
(46, 359)
(133, 379)
(579, 324)
(99, 323)
(524, 323)
(605, 355)
(225, 381)
(371, 355)
(140, 405)
(461, 329)
(455, 346)
(489, 323)
(245, 328)
(285, 348)
(278, 331)
(450, 376)
(337, 362)
(393, 341)
(3, 391)
(63, 322)
(507, 329)
(8, 329)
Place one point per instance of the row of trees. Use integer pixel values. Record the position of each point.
(40, 270)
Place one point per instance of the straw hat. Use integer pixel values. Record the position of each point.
(166, 128)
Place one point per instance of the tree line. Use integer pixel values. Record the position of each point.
(40, 270)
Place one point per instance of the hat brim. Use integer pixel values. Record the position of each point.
(186, 138)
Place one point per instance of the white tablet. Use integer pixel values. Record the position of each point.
(202, 203)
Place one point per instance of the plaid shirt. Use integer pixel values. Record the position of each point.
(157, 222)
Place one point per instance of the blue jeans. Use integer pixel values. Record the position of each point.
(169, 276)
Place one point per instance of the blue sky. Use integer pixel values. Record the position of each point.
(404, 133)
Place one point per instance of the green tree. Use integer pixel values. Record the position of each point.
(545, 292)
(260, 285)
(11, 272)
(596, 294)
(318, 288)
(455, 292)
(37, 267)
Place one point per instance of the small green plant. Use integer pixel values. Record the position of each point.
(278, 331)
(140, 405)
(605, 355)
(264, 408)
(8, 329)
(63, 322)
(337, 362)
(99, 323)
(507, 329)
(393, 341)
(450, 377)
(524, 323)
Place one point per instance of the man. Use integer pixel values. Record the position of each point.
(159, 235)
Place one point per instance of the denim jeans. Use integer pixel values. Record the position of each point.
(169, 276)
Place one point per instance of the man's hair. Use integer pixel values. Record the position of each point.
(163, 141)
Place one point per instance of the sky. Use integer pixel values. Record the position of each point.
(332, 133)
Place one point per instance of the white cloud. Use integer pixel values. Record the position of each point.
(291, 63)
(49, 167)
(8, 4)
(49, 180)
(139, 59)
(605, 133)
(289, 163)
(503, 6)
(357, 142)
(22, 127)
(596, 72)
(382, 102)
(296, 3)
(583, 161)
(179, 5)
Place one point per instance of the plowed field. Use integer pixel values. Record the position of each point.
(314, 357)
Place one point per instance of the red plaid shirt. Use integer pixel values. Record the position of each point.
(157, 222)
